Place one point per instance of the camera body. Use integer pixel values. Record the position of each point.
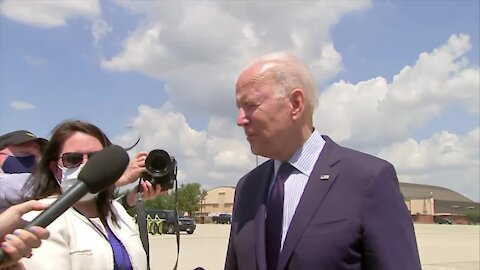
(161, 169)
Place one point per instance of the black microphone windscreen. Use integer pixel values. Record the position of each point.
(104, 168)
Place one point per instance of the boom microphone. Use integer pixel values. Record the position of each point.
(100, 172)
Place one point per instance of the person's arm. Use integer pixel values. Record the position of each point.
(18, 243)
(389, 236)
(11, 192)
(134, 170)
(231, 258)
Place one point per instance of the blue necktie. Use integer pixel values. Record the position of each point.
(274, 220)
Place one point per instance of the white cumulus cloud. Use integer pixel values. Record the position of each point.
(445, 159)
(48, 14)
(206, 156)
(390, 111)
(185, 43)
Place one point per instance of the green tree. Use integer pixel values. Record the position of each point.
(473, 216)
(189, 196)
(165, 201)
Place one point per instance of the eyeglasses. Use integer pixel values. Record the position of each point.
(74, 159)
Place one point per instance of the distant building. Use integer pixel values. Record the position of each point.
(429, 203)
(218, 200)
(426, 203)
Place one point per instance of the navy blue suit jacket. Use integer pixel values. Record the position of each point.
(357, 219)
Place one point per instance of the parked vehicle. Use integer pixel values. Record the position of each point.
(185, 224)
(222, 219)
(443, 221)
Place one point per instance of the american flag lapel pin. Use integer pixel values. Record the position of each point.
(324, 177)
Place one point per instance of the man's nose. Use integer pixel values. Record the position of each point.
(241, 118)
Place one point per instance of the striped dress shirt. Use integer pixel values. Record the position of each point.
(303, 160)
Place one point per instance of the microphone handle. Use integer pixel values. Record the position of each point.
(65, 201)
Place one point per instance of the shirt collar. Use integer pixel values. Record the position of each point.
(305, 157)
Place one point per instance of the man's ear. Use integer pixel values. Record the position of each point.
(297, 101)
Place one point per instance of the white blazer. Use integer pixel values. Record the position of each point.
(76, 244)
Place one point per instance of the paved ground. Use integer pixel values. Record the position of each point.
(449, 247)
(442, 247)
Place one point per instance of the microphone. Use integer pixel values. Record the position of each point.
(100, 172)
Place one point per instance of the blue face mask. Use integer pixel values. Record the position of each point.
(13, 164)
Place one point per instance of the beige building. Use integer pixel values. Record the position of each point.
(426, 203)
(421, 206)
(219, 200)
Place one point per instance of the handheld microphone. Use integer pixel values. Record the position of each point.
(100, 172)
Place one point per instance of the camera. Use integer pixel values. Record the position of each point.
(161, 169)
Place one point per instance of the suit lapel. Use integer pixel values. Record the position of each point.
(260, 238)
(319, 183)
(263, 181)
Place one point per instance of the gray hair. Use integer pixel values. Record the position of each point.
(289, 73)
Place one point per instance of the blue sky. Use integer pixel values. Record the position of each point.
(397, 79)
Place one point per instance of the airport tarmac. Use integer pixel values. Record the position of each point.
(441, 247)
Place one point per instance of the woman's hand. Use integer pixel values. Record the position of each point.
(134, 170)
(148, 191)
(19, 243)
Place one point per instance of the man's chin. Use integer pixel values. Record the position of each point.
(256, 147)
(255, 150)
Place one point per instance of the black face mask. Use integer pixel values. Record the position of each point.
(13, 164)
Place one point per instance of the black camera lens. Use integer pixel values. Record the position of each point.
(158, 163)
(161, 169)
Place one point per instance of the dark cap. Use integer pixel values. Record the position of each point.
(19, 137)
